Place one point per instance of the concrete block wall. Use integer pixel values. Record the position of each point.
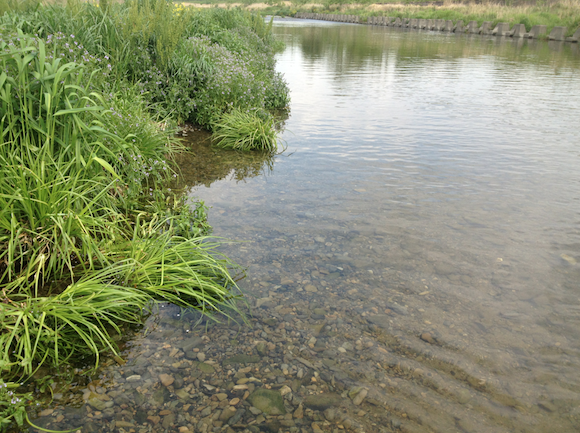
(501, 29)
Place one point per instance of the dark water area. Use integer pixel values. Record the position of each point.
(413, 257)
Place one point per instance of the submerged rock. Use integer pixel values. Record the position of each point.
(268, 401)
(322, 401)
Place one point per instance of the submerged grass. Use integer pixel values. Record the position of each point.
(246, 130)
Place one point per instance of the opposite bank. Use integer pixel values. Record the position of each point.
(557, 33)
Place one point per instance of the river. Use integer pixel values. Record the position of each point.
(413, 256)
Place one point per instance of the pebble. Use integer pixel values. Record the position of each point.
(166, 379)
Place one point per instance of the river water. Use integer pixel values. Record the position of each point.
(413, 257)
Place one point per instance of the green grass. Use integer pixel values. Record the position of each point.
(90, 237)
(245, 130)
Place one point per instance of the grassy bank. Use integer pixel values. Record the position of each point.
(550, 13)
(91, 237)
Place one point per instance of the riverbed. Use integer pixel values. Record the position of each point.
(412, 257)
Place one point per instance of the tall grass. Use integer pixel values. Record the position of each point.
(86, 244)
(246, 130)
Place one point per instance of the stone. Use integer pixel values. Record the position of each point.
(359, 397)
(330, 414)
(485, 28)
(472, 27)
(124, 424)
(201, 356)
(268, 401)
(190, 343)
(558, 33)
(241, 359)
(206, 368)
(237, 417)
(227, 414)
(574, 38)
(221, 396)
(501, 29)
(537, 31)
(154, 419)
(166, 379)
(322, 402)
(255, 410)
(133, 378)
(519, 31)
(310, 288)
(459, 27)
(426, 336)
(299, 412)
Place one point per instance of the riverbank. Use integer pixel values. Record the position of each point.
(564, 13)
(92, 239)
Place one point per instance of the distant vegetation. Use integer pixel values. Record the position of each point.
(529, 12)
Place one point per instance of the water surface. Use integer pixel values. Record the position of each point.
(418, 239)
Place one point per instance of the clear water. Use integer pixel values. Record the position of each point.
(442, 173)
(428, 206)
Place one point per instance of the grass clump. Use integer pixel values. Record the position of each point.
(246, 130)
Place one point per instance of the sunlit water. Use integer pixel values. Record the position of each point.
(428, 208)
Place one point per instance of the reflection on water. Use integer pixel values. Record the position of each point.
(413, 258)
(205, 164)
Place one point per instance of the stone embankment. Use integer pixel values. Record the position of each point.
(501, 29)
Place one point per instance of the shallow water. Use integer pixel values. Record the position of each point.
(419, 238)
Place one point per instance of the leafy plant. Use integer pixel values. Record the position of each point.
(12, 404)
(246, 130)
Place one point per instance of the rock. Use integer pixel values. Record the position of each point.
(237, 417)
(184, 429)
(271, 427)
(267, 302)
(255, 410)
(463, 396)
(124, 424)
(201, 356)
(426, 336)
(46, 412)
(310, 288)
(261, 348)
(227, 414)
(268, 401)
(168, 421)
(190, 343)
(322, 402)
(330, 414)
(396, 424)
(443, 268)
(154, 419)
(299, 413)
(166, 379)
(358, 399)
(97, 403)
(133, 378)
(234, 401)
(242, 359)
(285, 390)
(206, 368)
